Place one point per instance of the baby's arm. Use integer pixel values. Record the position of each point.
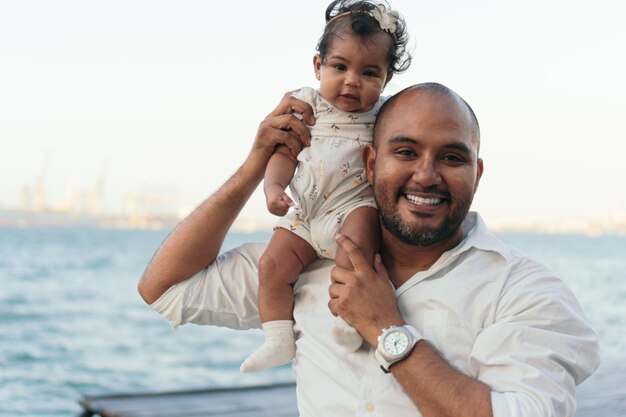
(278, 174)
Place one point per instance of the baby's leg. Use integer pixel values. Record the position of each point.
(285, 257)
(362, 227)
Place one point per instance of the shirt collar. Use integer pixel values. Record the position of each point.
(477, 236)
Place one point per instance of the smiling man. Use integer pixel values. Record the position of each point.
(469, 326)
(426, 157)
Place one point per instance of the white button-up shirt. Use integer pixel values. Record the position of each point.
(491, 312)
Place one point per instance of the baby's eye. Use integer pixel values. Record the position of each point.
(340, 67)
(370, 74)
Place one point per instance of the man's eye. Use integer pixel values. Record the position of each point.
(405, 152)
(453, 159)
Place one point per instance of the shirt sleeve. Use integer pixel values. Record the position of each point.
(539, 347)
(223, 294)
(309, 96)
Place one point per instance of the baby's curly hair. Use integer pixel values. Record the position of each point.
(363, 24)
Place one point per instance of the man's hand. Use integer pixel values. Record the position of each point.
(363, 296)
(278, 202)
(283, 127)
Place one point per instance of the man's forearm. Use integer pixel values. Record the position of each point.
(439, 390)
(196, 242)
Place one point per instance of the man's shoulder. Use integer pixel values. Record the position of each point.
(519, 267)
(527, 278)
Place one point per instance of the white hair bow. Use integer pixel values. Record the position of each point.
(386, 18)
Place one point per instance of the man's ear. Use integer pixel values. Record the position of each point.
(479, 173)
(369, 160)
(317, 65)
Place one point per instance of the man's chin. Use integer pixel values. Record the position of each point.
(420, 233)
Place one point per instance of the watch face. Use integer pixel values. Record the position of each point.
(396, 343)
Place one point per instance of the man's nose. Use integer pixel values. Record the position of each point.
(426, 173)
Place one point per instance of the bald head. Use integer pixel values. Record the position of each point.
(434, 90)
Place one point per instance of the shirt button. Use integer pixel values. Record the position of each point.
(369, 407)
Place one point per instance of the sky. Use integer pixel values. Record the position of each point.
(165, 97)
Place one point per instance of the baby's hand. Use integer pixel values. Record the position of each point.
(278, 202)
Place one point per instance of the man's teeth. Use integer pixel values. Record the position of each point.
(419, 200)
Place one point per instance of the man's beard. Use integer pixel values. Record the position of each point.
(421, 235)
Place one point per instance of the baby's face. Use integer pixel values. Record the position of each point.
(355, 72)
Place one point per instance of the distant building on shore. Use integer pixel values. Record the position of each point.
(615, 224)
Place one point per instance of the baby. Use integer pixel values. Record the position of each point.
(363, 45)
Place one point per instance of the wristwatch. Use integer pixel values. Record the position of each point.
(394, 344)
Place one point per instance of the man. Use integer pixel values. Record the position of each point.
(469, 326)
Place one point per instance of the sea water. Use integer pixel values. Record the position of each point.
(72, 322)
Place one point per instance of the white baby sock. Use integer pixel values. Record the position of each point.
(345, 335)
(278, 349)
